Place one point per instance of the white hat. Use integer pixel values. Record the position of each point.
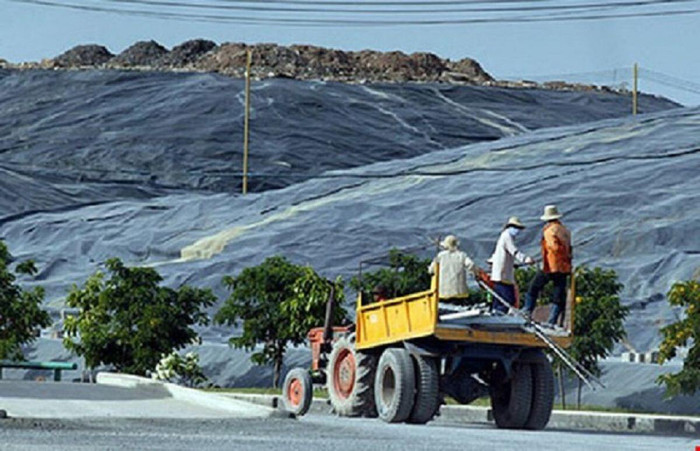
(551, 213)
(515, 222)
(450, 242)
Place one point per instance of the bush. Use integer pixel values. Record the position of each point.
(682, 333)
(180, 370)
(129, 321)
(21, 314)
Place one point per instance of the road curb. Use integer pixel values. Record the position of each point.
(560, 419)
(238, 408)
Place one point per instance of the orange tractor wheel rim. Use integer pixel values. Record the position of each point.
(344, 373)
(295, 392)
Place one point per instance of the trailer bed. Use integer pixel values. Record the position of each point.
(421, 314)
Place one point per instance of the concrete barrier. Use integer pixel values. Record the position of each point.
(238, 408)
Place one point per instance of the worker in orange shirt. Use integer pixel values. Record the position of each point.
(556, 264)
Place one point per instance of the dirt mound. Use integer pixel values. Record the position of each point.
(306, 62)
(91, 55)
(143, 53)
(301, 62)
(186, 53)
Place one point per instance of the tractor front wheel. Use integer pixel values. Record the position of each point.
(297, 391)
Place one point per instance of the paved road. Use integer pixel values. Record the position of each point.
(322, 432)
(92, 416)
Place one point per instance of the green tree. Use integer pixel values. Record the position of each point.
(129, 320)
(405, 274)
(277, 302)
(599, 316)
(20, 310)
(680, 334)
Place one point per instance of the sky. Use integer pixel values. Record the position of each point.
(596, 51)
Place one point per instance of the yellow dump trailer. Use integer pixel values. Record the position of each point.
(416, 316)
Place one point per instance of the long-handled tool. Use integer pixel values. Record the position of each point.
(581, 371)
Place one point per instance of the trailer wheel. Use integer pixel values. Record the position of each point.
(394, 385)
(350, 379)
(427, 390)
(511, 399)
(297, 391)
(542, 391)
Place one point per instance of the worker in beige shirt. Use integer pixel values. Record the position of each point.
(454, 265)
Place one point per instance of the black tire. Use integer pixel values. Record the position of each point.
(351, 393)
(511, 399)
(394, 385)
(542, 391)
(297, 391)
(427, 400)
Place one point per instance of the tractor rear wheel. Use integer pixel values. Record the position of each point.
(350, 379)
(542, 391)
(511, 398)
(297, 391)
(394, 385)
(427, 390)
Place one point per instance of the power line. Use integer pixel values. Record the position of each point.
(322, 22)
(426, 8)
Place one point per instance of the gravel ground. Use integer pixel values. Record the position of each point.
(311, 432)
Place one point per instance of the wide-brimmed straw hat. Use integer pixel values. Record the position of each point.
(551, 213)
(514, 221)
(450, 242)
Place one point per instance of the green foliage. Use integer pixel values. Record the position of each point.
(277, 302)
(406, 273)
(181, 370)
(599, 316)
(20, 310)
(523, 277)
(129, 320)
(680, 334)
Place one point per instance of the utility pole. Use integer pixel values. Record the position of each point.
(245, 122)
(635, 71)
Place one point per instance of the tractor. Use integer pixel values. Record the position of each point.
(404, 355)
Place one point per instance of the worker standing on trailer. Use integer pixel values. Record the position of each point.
(503, 263)
(556, 264)
(454, 265)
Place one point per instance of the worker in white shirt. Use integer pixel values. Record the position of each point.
(454, 265)
(503, 268)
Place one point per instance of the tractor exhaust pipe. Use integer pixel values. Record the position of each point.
(328, 322)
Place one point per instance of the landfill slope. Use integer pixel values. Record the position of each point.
(374, 167)
(81, 137)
